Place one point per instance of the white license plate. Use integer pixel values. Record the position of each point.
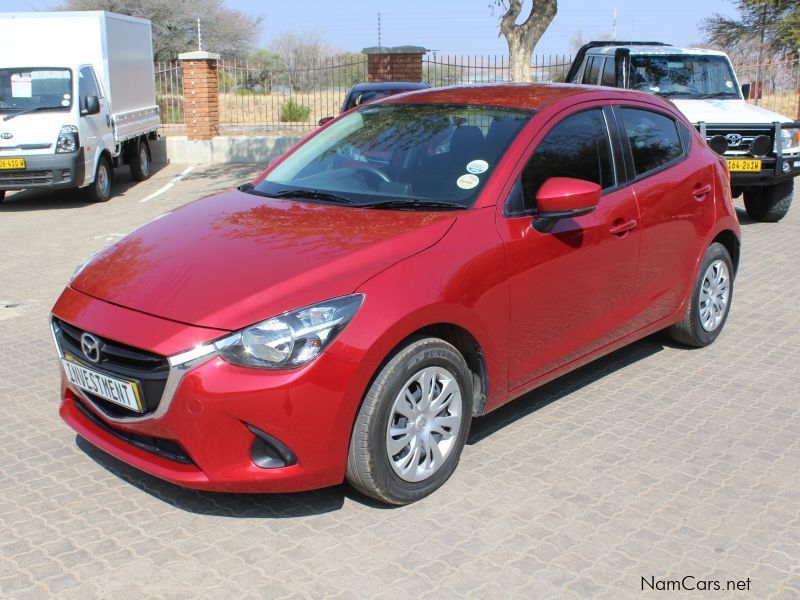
(119, 391)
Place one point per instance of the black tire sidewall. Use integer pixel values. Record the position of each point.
(715, 252)
(98, 191)
(398, 490)
(137, 171)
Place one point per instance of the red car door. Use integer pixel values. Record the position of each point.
(569, 289)
(674, 187)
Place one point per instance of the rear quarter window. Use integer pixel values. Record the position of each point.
(653, 139)
(592, 70)
(609, 73)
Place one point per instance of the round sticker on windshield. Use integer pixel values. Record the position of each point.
(66, 96)
(477, 166)
(65, 103)
(728, 84)
(467, 181)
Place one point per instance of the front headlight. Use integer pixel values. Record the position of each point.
(291, 339)
(67, 139)
(790, 141)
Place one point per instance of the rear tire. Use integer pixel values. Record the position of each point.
(710, 303)
(769, 204)
(2, 196)
(100, 189)
(140, 161)
(420, 403)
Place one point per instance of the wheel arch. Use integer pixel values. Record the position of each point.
(732, 244)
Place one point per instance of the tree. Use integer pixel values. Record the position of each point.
(224, 30)
(522, 37)
(769, 25)
(302, 55)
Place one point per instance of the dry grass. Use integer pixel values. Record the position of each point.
(259, 112)
(785, 103)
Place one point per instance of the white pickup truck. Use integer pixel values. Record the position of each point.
(77, 98)
(762, 147)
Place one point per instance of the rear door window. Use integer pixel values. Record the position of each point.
(653, 138)
(592, 70)
(609, 73)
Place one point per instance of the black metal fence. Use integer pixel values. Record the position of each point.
(262, 98)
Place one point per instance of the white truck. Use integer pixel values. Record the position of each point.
(77, 98)
(762, 147)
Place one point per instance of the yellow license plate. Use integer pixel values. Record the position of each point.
(12, 163)
(742, 164)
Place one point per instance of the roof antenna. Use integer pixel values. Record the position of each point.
(199, 36)
(614, 25)
(379, 29)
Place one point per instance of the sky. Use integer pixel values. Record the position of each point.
(463, 26)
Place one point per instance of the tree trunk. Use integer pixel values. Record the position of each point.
(522, 37)
(519, 58)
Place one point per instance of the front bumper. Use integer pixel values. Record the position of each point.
(45, 171)
(774, 174)
(217, 412)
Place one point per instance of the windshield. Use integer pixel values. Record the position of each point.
(24, 88)
(684, 76)
(414, 152)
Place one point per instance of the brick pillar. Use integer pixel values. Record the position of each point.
(399, 63)
(200, 94)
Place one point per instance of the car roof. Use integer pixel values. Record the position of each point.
(653, 50)
(512, 95)
(389, 85)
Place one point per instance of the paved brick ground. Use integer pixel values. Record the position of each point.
(655, 461)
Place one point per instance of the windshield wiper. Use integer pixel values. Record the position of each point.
(717, 95)
(30, 110)
(311, 195)
(412, 204)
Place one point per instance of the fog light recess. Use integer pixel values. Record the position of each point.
(269, 452)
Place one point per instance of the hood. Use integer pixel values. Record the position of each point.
(725, 111)
(34, 128)
(234, 259)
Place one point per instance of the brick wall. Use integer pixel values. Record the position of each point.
(401, 63)
(201, 94)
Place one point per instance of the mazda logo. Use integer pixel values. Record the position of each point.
(6, 135)
(734, 139)
(91, 347)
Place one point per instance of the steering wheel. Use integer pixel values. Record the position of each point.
(369, 169)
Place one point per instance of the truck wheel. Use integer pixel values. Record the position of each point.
(412, 425)
(140, 161)
(769, 204)
(708, 308)
(100, 189)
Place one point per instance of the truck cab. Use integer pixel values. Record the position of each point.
(761, 147)
(67, 118)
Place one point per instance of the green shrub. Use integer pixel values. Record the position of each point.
(292, 111)
(243, 91)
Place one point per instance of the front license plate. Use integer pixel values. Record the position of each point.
(119, 391)
(12, 163)
(741, 164)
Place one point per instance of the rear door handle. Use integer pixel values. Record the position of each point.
(700, 191)
(623, 228)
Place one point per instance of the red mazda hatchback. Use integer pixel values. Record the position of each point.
(415, 263)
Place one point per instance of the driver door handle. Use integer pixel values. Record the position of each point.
(623, 228)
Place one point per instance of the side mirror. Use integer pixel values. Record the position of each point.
(564, 198)
(91, 105)
(746, 90)
(324, 120)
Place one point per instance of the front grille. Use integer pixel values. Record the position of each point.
(26, 178)
(748, 135)
(150, 370)
(168, 449)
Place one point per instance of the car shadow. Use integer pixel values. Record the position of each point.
(741, 214)
(46, 199)
(303, 504)
(565, 385)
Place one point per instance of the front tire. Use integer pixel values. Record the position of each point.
(413, 423)
(140, 161)
(710, 303)
(769, 204)
(100, 189)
